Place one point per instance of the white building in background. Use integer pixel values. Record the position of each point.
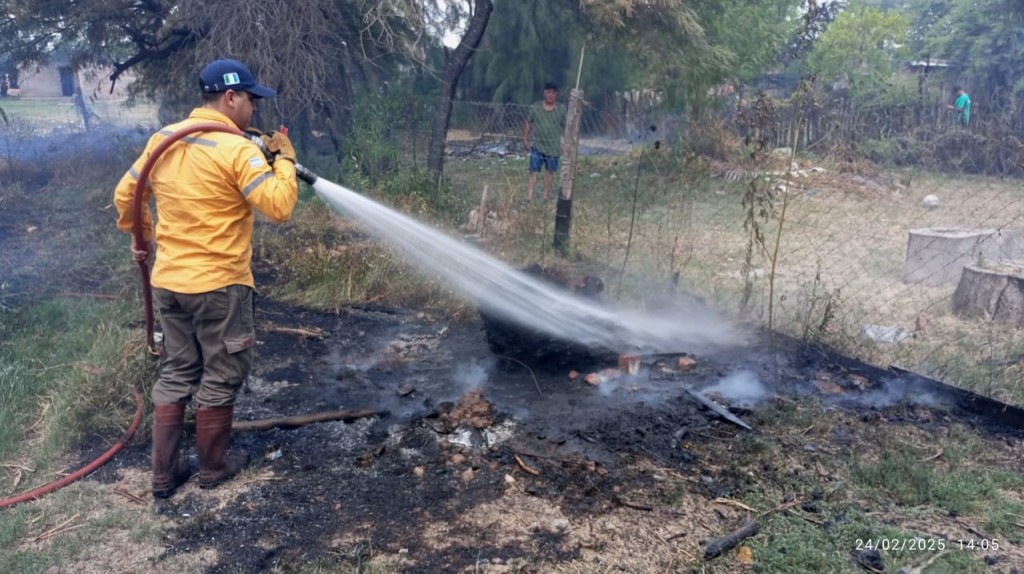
(56, 80)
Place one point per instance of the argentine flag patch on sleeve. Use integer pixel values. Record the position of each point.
(256, 162)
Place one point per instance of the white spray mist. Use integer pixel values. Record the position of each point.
(525, 300)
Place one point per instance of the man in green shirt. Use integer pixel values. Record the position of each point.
(961, 107)
(545, 123)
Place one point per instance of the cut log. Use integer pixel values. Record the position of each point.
(937, 256)
(991, 293)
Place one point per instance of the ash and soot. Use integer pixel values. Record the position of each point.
(527, 301)
(466, 467)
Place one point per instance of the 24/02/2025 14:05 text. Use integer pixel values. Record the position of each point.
(901, 544)
(922, 544)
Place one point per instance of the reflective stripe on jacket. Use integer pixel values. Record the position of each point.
(206, 186)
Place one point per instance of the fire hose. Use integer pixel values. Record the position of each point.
(140, 245)
(85, 470)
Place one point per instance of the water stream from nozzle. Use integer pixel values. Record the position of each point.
(525, 300)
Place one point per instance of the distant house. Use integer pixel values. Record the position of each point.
(929, 65)
(56, 80)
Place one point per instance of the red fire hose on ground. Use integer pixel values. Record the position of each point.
(85, 470)
(139, 244)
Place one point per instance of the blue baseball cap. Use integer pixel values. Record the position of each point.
(224, 75)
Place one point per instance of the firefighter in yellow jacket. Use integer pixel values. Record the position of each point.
(206, 187)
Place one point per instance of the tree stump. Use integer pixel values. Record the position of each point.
(993, 293)
(937, 256)
(537, 349)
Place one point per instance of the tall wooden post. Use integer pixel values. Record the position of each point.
(567, 177)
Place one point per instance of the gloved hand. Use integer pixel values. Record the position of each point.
(279, 145)
(256, 136)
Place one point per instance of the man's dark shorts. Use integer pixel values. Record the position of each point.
(538, 159)
(207, 345)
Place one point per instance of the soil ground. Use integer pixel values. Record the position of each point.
(633, 475)
(526, 492)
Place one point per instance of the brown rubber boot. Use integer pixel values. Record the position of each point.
(213, 432)
(169, 470)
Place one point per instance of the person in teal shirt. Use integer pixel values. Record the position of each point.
(961, 107)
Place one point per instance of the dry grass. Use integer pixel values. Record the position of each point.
(93, 528)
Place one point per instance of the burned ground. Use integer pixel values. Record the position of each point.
(408, 485)
(633, 474)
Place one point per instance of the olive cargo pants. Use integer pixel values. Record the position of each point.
(207, 345)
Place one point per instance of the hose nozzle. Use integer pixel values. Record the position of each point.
(305, 174)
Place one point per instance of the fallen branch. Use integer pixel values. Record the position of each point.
(304, 332)
(16, 466)
(972, 529)
(920, 569)
(783, 506)
(666, 542)
(132, 497)
(516, 450)
(536, 383)
(718, 410)
(57, 529)
(526, 468)
(296, 421)
(934, 456)
(719, 546)
(735, 503)
(633, 505)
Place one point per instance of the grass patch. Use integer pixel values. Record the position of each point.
(61, 111)
(83, 527)
(900, 477)
(792, 544)
(68, 369)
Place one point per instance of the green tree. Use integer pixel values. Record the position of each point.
(681, 48)
(983, 39)
(861, 48)
(316, 53)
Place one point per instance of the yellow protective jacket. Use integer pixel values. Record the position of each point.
(206, 186)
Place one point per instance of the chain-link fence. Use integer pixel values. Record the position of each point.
(907, 261)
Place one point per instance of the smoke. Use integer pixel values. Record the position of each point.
(473, 375)
(741, 389)
(897, 391)
(527, 301)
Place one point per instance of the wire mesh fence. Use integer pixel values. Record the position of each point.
(867, 257)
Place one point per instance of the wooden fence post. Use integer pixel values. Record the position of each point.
(567, 177)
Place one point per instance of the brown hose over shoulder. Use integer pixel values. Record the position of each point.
(137, 231)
